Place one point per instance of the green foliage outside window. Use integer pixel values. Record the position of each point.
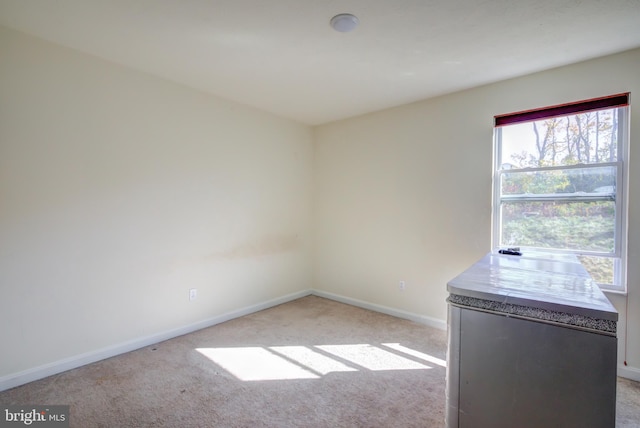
(557, 187)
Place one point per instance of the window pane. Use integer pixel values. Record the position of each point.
(588, 226)
(601, 180)
(600, 268)
(585, 138)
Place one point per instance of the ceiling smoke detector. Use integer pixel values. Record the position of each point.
(344, 22)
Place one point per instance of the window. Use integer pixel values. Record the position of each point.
(560, 182)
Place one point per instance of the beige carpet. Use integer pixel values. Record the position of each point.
(308, 363)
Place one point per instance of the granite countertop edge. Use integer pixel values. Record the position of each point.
(534, 313)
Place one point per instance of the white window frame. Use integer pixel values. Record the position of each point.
(621, 201)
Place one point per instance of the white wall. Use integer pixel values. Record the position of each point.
(119, 191)
(405, 194)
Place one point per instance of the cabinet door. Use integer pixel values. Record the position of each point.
(521, 373)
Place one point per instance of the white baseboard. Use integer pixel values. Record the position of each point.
(30, 375)
(627, 372)
(431, 322)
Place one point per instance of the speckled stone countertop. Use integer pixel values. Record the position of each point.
(538, 286)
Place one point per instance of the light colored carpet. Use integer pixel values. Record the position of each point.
(308, 363)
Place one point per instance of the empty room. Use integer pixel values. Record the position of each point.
(297, 213)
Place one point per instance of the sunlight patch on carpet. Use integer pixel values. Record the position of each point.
(316, 361)
(255, 363)
(428, 358)
(372, 358)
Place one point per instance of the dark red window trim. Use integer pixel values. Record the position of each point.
(612, 101)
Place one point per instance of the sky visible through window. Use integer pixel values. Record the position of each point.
(589, 137)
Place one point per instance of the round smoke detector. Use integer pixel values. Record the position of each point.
(344, 22)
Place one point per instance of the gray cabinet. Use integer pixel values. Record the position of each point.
(527, 359)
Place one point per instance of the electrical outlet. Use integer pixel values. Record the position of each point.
(193, 293)
(402, 285)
